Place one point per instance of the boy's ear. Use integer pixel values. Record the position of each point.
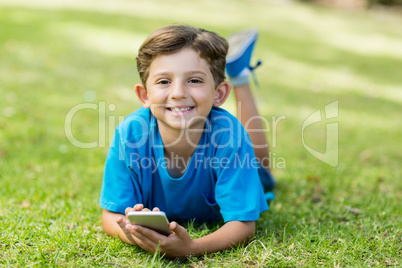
(222, 93)
(142, 95)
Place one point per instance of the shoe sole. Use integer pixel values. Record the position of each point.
(239, 42)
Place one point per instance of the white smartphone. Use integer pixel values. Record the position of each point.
(155, 220)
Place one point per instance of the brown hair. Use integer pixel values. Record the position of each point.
(172, 38)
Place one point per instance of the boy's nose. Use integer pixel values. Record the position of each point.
(179, 90)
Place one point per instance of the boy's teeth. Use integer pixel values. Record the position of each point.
(180, 109)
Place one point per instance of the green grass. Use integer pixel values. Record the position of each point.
(54, 57)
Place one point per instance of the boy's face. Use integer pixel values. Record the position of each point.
(180, 90)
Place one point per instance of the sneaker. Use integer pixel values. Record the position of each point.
(241, 46)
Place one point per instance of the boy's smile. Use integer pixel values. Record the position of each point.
(180, 90)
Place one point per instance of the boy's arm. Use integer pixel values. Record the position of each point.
(229, 235)
(179, 244)
(115, 224)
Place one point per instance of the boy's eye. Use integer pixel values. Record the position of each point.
(195, 81)
(163, 82)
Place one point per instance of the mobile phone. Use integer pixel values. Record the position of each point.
(155, 220)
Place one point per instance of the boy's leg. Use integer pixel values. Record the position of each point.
(241, 46)
(248, 115)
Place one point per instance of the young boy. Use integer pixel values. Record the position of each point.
(181, 153)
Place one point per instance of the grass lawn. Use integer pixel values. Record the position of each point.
(55, 58)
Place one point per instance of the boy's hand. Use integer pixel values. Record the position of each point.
(126, 225)
(177, 244)
(140, 207)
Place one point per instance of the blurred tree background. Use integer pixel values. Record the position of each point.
(387, 2)
(359, 3)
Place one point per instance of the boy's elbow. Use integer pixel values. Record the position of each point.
(246, 231)
(106, 229)
(109, 223)
(250, 230)
(105, 223)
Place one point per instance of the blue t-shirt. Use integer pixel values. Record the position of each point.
(221, 180)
